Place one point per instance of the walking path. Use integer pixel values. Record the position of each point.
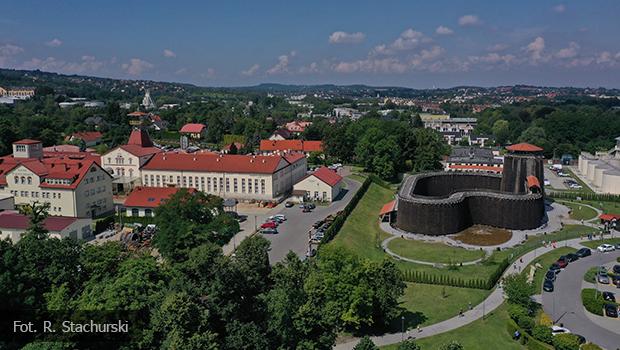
(386, 249)
(492, 302)
(597, 210)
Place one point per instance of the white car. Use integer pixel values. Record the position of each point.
(282, 217)
(555, 330)
(605, 248)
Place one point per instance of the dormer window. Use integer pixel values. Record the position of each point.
(29, 180)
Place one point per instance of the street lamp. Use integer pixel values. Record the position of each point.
(402, 328)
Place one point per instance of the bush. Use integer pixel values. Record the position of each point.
(566, 342)
(542, 333)
(453, 345)
(545, 320)
(592, 301)
(521, 316)
(408, 345)
(590, 346)
(365, 344)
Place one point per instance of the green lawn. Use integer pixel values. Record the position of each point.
(546, 260)
(596, 242)
(447, 301)
(433, 252)
(579, 212)
(590, 275)
(606, 207)
(490, 333)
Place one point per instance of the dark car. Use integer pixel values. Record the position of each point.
(269, 231)
(572, 257)
(555, 267)
(306, 210)
(615, 279)
(289, 204)
(583, 252)
(550, 276)
(318, 224)
(582, 339)
(311, 205)
(616, 269)
(611, 310)
(562, 262)
(548, 286)
(609, 296)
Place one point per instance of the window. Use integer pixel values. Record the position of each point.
(202, 183)
(16, 179)
(191, 182)
(208, 184)
(324, 195)
(227, 185)
(249, 185)
(184, 181)
(29, 180)
(146, 180)
(242, 185)
(262, 186)
(135, 212)
(221, 183)
(157, 180)
(23, 180)
(235, 186)
(148, 212)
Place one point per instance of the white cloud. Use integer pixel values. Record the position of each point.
(311, 68)
(136, 66)
(10, 50)
(340, 37)
(443, 30)
(54, 42)
(181, 71)
(251, 71)
(469, 20)
(494, 58)
(568, 52)
(169, 53)
(282, 65)
(561, 8)
(497, 47)
(383, 65)
(210, 73)
(409, 39)
(87, 64)
(535, 49)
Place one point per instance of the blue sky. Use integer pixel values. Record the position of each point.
(420, 44)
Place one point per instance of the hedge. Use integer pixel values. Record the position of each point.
(585, 196)
(592, 301)
(342, 216)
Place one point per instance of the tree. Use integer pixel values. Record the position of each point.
(430, 147)
(453, 345)
(36, 213)
(566, 342)
(408, 345)
(501, 131)
(365, 344)
(518, 290)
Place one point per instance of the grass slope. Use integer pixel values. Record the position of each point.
(433, 252)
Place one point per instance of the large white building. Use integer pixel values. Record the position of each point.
(13, 225)
(322, 185)
(241, 177)
(72, 182)
(602, 170)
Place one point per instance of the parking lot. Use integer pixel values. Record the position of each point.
(555, 181)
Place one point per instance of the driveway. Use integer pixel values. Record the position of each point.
(555, 181)
(293, 233)
(565, 306)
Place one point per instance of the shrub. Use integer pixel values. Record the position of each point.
(408, 345)
(365, 344)
(566, 342)
(545, 320)
(453, 345)
(520, 315)
(592, 301)
(542, 333)
(590, 346)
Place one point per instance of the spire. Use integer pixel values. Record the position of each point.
(147, 101)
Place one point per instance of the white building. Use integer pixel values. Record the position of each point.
(13, 225)
(602, 170)
(322, 185)
(72, 182)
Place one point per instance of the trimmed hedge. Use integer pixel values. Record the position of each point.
(592, 301)
(336, 225)
(584, 196)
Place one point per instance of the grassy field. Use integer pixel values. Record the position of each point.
(546, 260)
(447, 302)
(433, 252)
(580, 212)
(606, 207)
(490, 333)
(595, 243)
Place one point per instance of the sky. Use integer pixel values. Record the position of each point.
(420, 44)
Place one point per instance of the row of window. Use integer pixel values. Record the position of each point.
(35, 194)
(92, 179)
(92, 191)
(212, 184)
(119, 160)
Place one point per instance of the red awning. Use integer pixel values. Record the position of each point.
(532, 181)
(609, 217)
(388, 208)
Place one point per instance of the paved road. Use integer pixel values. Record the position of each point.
(565, 302)
(293, 234)
(555, 181)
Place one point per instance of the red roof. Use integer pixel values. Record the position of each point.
(238, 145)
(193, 128)
(388, 208)
(293, 157)
(14, 220)
(328, 176)
(137, 114)
(213, 162)
(140, 138)
(150, 197)
(87, 135)
(478, 167)
(26, 142)
(140, 151)
(524, 147)
(65, 149)
(609, 217)
(291, 145)
(532, 181)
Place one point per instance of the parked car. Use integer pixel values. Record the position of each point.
(555, 267)
(548, 286)
(616, 269)
(562, 262)
(550, 276)
(311, 205)
(311, 252)
(276, 218)
(603, 248)
(289, 204)
(306, 210)
(572, 257)
(609, 296)
(582, 339)
(281, 216)
(603, 278)
(611, 310)
(269, 224)
(555, 330)
(318, 224)
(583, 252)
(269, 231)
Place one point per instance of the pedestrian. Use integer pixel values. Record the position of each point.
(521, 260)
(470, 305)
(419, 329)
(461, 313)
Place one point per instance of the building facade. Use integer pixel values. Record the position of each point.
(602, 170)
(473, 159)
(13, 225)
(323, 185)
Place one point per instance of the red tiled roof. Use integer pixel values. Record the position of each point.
(388, 208)
(294, 157)
(193, 128)
(328, 176)
(87, 135)
(150, 197)
(478, 167)
(140, 138)
(15, 220)
(140, 151)
(65, 149)
(212, 162)
(532, 181)
(26, 142)
(609, 217)
(239, 146)
(136, 114)
(524, 147)
(291, 145)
